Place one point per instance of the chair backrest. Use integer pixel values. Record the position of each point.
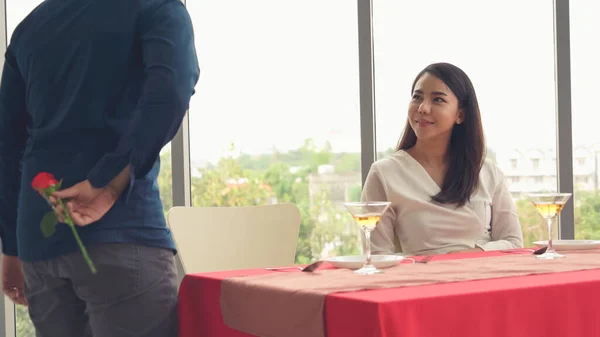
(228, 238)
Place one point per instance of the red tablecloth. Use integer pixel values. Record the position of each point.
(560, 304)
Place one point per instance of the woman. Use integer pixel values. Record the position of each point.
(446, 197)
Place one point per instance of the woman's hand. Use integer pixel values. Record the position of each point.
(472, 250)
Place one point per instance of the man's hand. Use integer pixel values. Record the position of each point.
(13, 282)
(88, 204)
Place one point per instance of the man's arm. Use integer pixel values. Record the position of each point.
(171, 73)
(13, 136)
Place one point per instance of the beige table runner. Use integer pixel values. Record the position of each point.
(291, 304)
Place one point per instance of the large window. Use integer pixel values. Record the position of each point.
(165, 178)
(276, 117)
(507, 49)
(586, 139)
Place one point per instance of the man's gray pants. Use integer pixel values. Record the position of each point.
(134, 293)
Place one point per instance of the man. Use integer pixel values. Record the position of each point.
(91, 91)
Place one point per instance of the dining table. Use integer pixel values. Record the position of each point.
(506, 293)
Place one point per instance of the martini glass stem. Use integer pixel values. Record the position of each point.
(367, 245)
(550, 249)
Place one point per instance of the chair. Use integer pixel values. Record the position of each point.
(228, 238)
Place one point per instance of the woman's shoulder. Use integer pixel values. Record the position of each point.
(490, 172)
(395, 161)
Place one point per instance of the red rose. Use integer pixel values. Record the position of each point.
(43, 181)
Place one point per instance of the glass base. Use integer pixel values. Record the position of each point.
(368, 269)
(550, 255)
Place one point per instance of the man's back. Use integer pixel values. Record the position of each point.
(93, 75)
(77, 59)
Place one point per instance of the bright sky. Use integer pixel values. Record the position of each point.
(276, 72)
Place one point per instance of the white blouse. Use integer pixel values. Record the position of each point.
(417, 226)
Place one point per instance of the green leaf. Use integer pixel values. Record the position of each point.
(57, 188)
(48, 225)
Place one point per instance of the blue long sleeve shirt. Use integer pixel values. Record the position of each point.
(89, 87)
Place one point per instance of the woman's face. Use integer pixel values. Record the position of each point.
(433, 109)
